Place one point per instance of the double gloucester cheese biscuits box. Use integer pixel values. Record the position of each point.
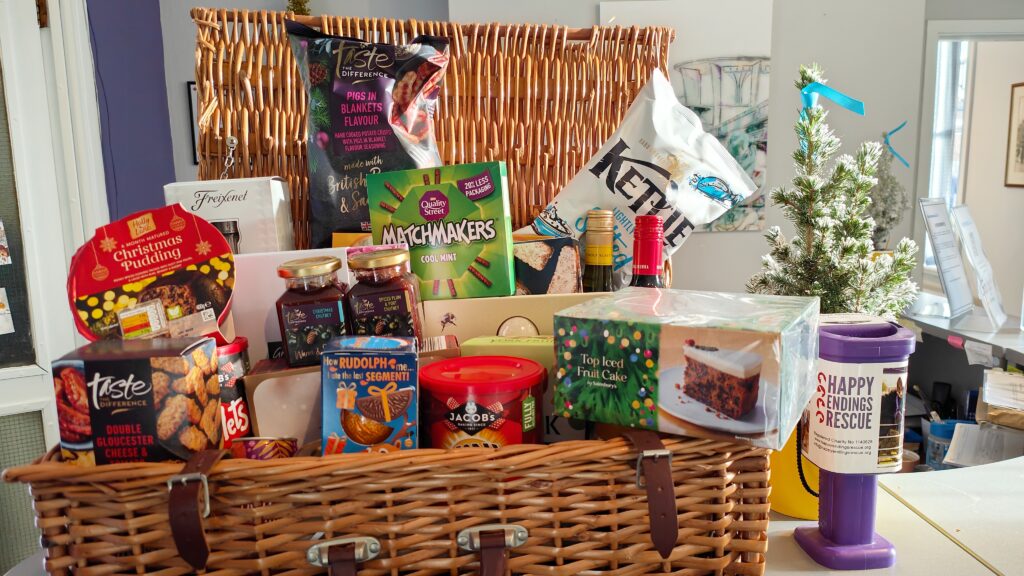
(456, 222)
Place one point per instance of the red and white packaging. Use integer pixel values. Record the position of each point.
(163, 272)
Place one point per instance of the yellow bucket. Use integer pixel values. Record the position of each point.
(789, 496)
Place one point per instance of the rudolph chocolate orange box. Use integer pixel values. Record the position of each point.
(138, 400)
(457, 223)
(370, 394)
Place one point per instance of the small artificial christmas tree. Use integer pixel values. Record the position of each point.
(888, 201)
(830, 254)
(299, 7)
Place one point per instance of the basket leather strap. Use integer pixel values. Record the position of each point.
(185, 511)
(341, 560)
(661, 499)
(493, 556)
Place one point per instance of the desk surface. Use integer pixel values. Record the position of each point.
(1007, 342)
(981, 508)
(921, 550)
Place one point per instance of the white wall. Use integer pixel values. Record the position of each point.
(996, 209)
(179, 34)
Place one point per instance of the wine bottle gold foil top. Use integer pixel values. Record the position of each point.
(600, 221)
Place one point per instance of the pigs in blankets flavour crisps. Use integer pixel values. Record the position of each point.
(163, 272)
(371, 109)
(138, 400)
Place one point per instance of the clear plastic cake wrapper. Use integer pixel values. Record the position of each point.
(715, 365)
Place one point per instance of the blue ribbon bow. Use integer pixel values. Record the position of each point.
(892, 150)
(810, 93)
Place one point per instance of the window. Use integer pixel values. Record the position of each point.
(951, 83)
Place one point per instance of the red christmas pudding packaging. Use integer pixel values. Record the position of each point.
(163, 272)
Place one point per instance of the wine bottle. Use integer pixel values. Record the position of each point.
(597, 271)
(647, 260)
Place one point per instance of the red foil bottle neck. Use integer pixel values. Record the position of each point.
(647, 242)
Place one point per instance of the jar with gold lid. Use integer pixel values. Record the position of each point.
(384, 301)
(311, 311)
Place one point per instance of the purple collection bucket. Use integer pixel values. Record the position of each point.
(852, 430)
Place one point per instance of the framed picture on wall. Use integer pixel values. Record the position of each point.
(193, 111)
(1015, 142)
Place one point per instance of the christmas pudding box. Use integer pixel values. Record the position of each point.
(252, 213)
(163, 272)
(457, 223)
(725, 366)
(370, 394)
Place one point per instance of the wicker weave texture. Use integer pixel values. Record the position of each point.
(579, 501)
(542, 98)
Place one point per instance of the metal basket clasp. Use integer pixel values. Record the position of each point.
(366, 549)
(469, 539)
(641, 481)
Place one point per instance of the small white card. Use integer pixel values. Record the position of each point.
(5, 248)
(6, 319)
(979, 353)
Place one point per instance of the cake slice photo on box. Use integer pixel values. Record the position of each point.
(717, 388)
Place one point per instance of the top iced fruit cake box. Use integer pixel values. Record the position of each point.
(705, 364)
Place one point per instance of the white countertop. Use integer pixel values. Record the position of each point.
(921, 550)
(981, 508)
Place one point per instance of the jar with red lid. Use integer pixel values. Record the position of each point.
(384, 301)
(482, 401)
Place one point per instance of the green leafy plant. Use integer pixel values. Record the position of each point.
(830, 255)
(889, 201)
(300, 7)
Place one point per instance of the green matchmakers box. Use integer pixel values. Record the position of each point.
(456, 222)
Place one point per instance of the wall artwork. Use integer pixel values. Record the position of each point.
(719, 65)
(731, 96)
(1015, 141)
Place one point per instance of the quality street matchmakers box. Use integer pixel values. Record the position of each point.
(457, 223)
(733, 367)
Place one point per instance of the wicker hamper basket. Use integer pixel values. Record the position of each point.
(543, 98)
(578, 501)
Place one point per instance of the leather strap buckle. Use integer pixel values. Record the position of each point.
(493, 542)
(184, 479)
(514, 534)
(641, 479)
(365, 548)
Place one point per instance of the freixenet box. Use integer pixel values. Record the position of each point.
(457, 223)
(540, 349)
(254, 214)
(370, 394)
(508, 316)
(707, 364)
(138, 400)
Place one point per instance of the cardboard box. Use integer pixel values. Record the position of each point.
(457, 223)
(540, 349)
(370, 395)
(138, 400)
(508, 316)
(547, 265)
(259, 287)
(724, 366)
(254, 214)
(284, 402)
